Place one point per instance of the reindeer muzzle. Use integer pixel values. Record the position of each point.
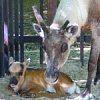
(51, 75)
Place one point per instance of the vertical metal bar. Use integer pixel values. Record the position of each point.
(5, 15)
(6, 53)
(10, 29)
(41, 50)
(2, 70)
(82, 49)
(21, 32)
(52, 5)
(5, 12)
(41, 53)
(41, 7)
(16, 30)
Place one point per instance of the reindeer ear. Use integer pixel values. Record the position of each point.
(72, 29)
(38, 29)
(26, 63)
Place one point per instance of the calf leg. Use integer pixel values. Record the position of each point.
(40, 92)
(31, 92)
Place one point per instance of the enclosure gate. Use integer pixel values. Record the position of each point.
(11, 12)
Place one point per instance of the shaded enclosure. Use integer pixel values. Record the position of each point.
(12, 12)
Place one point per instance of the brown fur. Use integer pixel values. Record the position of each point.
(34, 81)
(94, 10)
(34, 84)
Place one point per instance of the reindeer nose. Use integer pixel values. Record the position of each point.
(51, 74)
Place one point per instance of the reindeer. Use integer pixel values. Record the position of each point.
(70, 17)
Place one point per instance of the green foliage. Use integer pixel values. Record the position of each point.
(35, 58)
(28, 16)
(28, 20)
(31, 46)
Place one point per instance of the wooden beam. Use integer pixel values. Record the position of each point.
(41, 7)
(52, 5)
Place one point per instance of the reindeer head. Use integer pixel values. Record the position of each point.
(56, 44)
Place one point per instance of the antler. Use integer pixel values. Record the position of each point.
(65, 24)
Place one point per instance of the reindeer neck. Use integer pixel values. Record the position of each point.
(76, 11)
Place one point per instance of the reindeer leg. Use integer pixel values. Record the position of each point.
(97, 77)
(92, 63)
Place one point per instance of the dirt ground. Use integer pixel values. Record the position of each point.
(72, 67)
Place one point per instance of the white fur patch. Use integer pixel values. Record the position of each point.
(50, 88)
(54, 26)
(72, 10)
(73, 89)
(15, 67)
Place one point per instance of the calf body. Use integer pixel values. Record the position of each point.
(35, 85)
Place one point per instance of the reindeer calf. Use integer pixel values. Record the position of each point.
(34, 83)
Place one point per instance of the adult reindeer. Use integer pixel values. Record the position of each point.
(70, 16)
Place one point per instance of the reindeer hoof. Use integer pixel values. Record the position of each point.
(86, 95)
(96, 80)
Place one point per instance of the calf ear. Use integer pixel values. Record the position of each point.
(11, 60)
(72, 29)
(27, 61)
(38, 29)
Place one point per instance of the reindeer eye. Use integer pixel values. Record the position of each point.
(64, 47)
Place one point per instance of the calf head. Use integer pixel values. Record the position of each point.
(56, 43)
(16, 70)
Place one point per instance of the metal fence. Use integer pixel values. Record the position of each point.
(11, 12)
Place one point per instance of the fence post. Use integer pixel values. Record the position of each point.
(82, 49)
(10, 28)
(52, 5)
(21, 32)
(2, 70)
(16, 30)
(41, 7)
(41, 50)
